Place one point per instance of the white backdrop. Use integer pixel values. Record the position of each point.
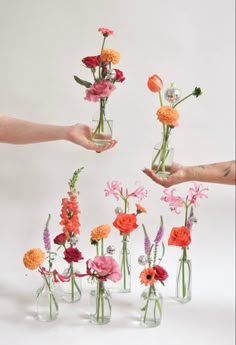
(189, 42)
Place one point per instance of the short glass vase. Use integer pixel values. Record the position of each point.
(162, 159)
(46, 300)
(100, 304)
(151, 307)
(184, 279)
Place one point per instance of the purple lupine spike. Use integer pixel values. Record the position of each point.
(160, 232)
(46, 236)
(147, 242)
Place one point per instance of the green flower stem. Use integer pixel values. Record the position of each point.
(160, 98)
(51, 296)
(124, 263)
(100, 302)
(184, 259)
(183, 99)
(72, 282)
(103, 44)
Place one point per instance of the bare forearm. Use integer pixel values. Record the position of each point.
(16, 131)
(222, 172)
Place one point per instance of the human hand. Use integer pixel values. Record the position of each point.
(82, 135)
(177, 175)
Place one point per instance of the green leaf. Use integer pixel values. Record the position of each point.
(82, 82)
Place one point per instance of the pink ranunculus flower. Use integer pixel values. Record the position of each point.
(105, 267)
(100, 89)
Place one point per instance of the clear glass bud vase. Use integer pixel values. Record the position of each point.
(162, 158)
(71, 288)
(47, 305)
(125, 266)
(102, 126)
(100, 304)
(184, 279)
(151, 307)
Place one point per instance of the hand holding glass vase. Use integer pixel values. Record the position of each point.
(99, 90)
(163, 152)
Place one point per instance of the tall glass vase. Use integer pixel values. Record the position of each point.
(72, 288)
(125, 266)
(151, 307)
(102, 126)
(184, 278)
(162, 158)
(47, 305)
(100, 304)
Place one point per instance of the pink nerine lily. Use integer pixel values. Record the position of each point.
(173, 201)
(195, 193)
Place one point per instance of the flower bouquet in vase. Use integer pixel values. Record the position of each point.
(181, 237)
(46, 298)
(168, 116)
(68, 239)
(151, 298)
(105, 76)
(101, 269)
(126, 223)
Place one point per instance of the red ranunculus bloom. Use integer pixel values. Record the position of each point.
(91, 61)
(126, 223)
(72, 255)
(119, 76)
(161, 273)
(60, 239)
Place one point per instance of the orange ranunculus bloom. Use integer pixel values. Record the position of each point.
(168, 115)
(110, 55)
(180, 237)
(125, 222)
(147, 276)
(33, 258)
(155, 83)
(101, 231)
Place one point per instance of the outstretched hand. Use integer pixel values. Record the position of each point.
(177, 175)
(82, 135)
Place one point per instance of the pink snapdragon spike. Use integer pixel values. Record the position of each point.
(113, 188)
(174, 201)
(106, 32)
(196, 192)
